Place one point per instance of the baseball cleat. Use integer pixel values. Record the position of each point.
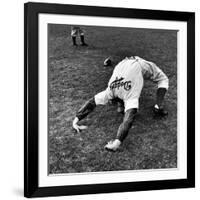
(75, 45)
(112, 145)
(120, 106)
(120, 109)
(84, 44)
(160, 112)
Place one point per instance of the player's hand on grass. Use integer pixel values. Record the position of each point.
(77, 127)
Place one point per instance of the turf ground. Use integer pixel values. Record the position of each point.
(77, 73)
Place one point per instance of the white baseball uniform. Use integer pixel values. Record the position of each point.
(126, 81)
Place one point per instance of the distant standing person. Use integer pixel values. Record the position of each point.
(77, 31)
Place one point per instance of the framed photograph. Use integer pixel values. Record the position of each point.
(109, 99)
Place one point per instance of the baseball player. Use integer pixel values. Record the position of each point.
(77, 31)
(126, 84)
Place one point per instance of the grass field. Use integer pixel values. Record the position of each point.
(77, 74)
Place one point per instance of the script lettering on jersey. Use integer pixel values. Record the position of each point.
(118, 82)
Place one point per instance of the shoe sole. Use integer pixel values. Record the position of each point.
(111, 150)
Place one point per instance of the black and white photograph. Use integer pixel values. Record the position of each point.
(109, 100)
(100, 100)
(112, 98)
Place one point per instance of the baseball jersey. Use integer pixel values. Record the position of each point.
(127, 80)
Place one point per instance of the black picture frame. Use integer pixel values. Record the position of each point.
(31, 84)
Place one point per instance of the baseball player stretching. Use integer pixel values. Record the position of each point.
(126, 84)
